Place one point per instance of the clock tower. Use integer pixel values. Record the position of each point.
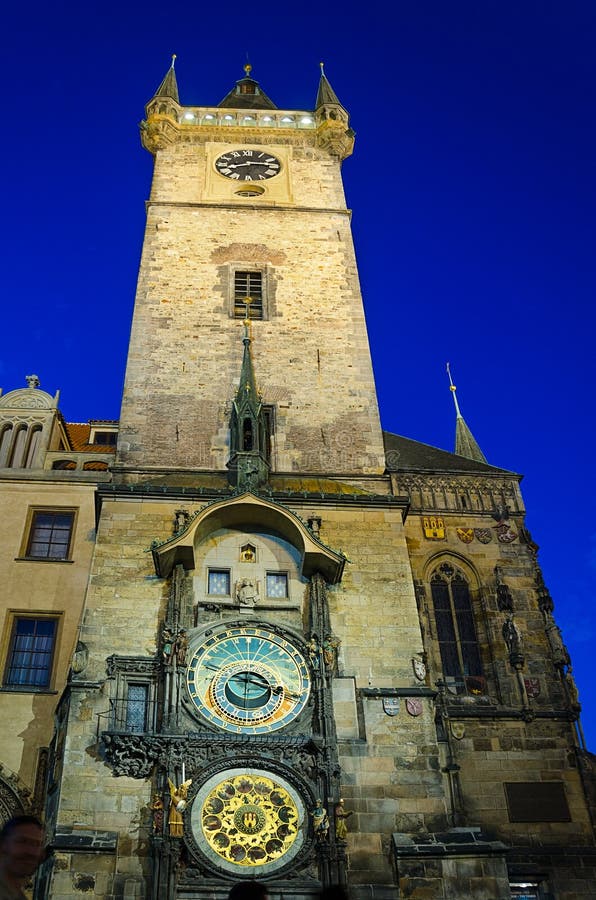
(298, 661)
(247, 204)
(249, 447)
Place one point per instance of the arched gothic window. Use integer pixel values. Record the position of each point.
(5, 443)
(17, 459)
(33, 444)
(456, 631)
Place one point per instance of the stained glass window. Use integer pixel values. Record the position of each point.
(277, 584)
(219, 582)
(136, 707)
(456, 632)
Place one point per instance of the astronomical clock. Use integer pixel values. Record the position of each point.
(249, 685)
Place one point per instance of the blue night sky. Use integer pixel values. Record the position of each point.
(473, 191)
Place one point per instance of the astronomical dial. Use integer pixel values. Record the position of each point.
(248, 679)
(248, 165)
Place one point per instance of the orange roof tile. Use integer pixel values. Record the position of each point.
(78, 434)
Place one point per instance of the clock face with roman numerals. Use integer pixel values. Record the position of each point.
(248, 679)
(248, 165)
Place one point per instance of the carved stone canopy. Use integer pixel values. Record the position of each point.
(29, 398)
(249, 512)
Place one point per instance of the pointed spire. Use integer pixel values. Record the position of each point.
(248, 462)
(169, 86)
(465, 443)
(247, 394)
(326, 94)
(247, 94)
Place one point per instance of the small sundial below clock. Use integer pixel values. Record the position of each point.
(248, 165)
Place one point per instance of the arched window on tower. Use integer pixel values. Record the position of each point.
(456, 630)
(5, 443)
(34, 439)
(247, 440)
(17, 460)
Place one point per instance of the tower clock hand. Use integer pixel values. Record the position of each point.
(252, 162)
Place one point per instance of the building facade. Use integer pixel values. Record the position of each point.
(49, 470)
(313, 653)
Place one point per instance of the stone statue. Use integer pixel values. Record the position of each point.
(320, 821)
(181, 520)
(168, 644)
(560, 653)
(32, 380)
(247, 593)
(178, 797)
(572, 691)
(512, 637)
(330, 646)
(158, 812)
(313, 650)
(181, 647)
(341, 826)
(504, 598)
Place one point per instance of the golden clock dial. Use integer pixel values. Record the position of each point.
(248, 822)
(245, 164)
(248, 679)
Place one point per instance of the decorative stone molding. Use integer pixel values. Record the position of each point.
(135, 755)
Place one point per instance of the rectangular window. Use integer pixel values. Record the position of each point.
(277, 584)
(106, 437)
(50, 534)
(218, 582)
(137, 700)
(31, 652)
(248, 286)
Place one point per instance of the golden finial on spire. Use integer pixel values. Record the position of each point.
(247, 322)
(173, 60)
(247, 69)
(322, 65)
(453, 389)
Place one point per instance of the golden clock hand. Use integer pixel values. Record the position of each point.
(280, 689)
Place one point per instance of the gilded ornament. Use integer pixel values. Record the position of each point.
(249, 820)
(434, 528)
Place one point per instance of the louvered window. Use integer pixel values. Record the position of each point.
(248, 295)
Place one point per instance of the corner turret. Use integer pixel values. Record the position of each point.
(162, 113)
(333, 123)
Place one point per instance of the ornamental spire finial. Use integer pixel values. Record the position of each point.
(465, 443)
(453, 389)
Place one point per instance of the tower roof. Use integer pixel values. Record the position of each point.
(247, 94)
(326, 94)
(169, 85)
(465, 443)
